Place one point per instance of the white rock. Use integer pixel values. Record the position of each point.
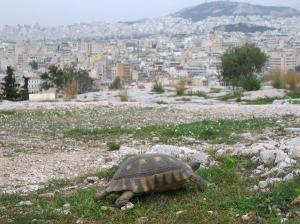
(47, 195)
(267, 156)
(263, 184)
(296, 152)
(292, 130)
(66, 206)
(280, 156)
(180, 152)
(245, 218)
(22, 203)
(3, 181)
(288, 177)
(127, 206)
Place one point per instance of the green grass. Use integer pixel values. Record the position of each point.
(158, 88)
(261, 101)
(161, 102)
(197, 93)
(113, 146)
(215, 90)
(221, 131)
(228, 202)
(294, 94)
(237, 95)
(184, 99)
(7, 112)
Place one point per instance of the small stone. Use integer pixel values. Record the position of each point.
(24, 203)
(92, 180)
(66, 206)
(127, 206)
(268, 156)
(245, 218)
(180, 212)
(142, 220)
(47, 195)
(263, 184)
(292, 130)
(296, 152)
(282, 220)
(280, 156)
(288, 177)
(3, 181)
(210, 212)
(155, 139)
(255, 188)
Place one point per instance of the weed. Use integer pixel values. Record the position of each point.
(261, 101)
(215, 90)
(113, 146)
(180, 88)
(161, 102)
(294, 94)
(197, 93)
(158, 88)
(124, 95)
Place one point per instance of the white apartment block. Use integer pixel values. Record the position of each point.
(282, 61)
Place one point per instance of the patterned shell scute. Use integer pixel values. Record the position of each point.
(149, 172)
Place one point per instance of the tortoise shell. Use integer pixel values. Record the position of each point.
(150, 173)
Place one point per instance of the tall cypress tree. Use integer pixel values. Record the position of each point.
(10, 87)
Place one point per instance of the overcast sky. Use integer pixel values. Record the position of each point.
(54, 12)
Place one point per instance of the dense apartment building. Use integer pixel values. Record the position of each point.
(282, 61)
(124, 71)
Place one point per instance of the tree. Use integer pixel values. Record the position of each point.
(10, 87)
(240, 65)
(34, 65)
(24, 93)
(64, 78)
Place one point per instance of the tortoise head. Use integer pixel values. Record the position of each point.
(195, 166)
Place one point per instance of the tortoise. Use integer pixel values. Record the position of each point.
(147, 173)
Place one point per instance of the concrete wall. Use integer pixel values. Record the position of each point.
(42, 97)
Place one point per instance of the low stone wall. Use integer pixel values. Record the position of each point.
(42, 97)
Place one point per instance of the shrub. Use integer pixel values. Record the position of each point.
(116, 84)
(71, 89)
(281, 80)
(197, 93)
(124, 95)
(277, 79)
(240, 62)
(158, 88)
(215, 90)
(113, 146)
(250, 83)
(180, 88)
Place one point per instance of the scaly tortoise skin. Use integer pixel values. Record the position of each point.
(150, 173)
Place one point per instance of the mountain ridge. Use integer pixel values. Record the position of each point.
(224, 8)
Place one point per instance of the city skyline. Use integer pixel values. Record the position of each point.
(57, 12)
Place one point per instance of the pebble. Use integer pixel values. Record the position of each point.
(142, 220)
(24, 203)
(92, 180)
(245, 218)
(128, 206)
(47, 195)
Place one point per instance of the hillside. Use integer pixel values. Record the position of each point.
(221, 8)
(243, 27)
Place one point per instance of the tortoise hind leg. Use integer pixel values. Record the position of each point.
(123, 201)
(100, 195)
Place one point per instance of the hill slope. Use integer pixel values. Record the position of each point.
(221, 8)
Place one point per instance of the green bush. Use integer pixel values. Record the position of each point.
(113, 146)
(158, 88)
(180, 88)
(250, 82)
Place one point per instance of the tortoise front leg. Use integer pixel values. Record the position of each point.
(200, 182)
(123, 201)
(100, 195)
